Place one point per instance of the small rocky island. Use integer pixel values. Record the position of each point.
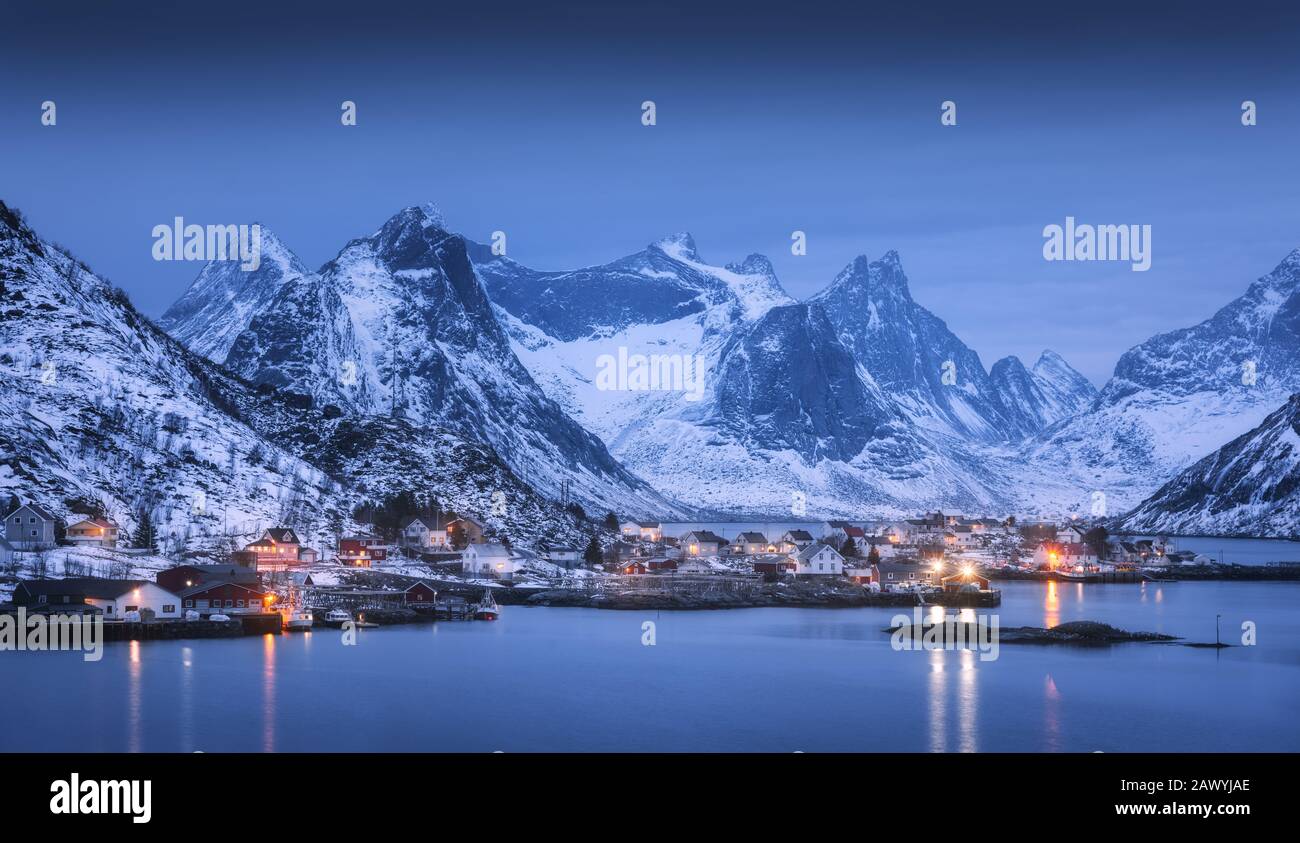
(1077, 633)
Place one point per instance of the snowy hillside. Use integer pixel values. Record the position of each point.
(102, 407)
(1249, 487)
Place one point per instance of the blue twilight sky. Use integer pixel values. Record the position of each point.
(772, 117)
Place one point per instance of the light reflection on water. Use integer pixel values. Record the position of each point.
(761, 679)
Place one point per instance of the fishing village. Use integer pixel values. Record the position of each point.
(437, 569)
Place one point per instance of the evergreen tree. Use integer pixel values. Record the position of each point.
(849, 550)
(145, 537)
(873, 555)
(592, 555)
(611, 522)
(1095, 539)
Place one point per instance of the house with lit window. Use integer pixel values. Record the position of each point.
(794, 541)
(425, 533)
(363, 550)
(29, 527)
(464, 531)
(488, 560)
(646, 531)
(752, 544)
(178, 578)
(227, 598)
(275, 551)
(1053, 555)
(115, 599)
(92, 532)
(894, 576)
(702, 543)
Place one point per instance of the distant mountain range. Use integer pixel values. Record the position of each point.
(858, 402)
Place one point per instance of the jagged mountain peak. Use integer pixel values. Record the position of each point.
(865, 279)
(754, 264)
(679, 246)
(224, 298)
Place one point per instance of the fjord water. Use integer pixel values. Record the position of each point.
(781, 680)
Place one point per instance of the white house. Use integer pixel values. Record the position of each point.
(115, 598)
(488, 559)
(794, 541)
(1070, 535)
(1068, 555)
(751, 544)
(883, 545)
(646, 531)
(960, 537)
(818, 560)
(701, 543)
(566, 557)
(93, 532)
(424, 532)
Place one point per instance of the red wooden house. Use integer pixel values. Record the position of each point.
(226, 597)
(421, 592)
(362, 551)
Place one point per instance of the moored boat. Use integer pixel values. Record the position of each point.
(487, 609)
(299, 621)
(337, 617)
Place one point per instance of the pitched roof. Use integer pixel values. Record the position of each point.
(751, 538)
(36, 509)
(854, 532)
(812, 550)
(704, 536)
(98, 522)
(282, 535)
(431, 523)
(798, 535)
(489, 550)
(94, 587)
(209, 585)
(221, 572)
(896, 568)
(649, 525)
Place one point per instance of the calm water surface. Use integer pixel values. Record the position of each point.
(757, 679)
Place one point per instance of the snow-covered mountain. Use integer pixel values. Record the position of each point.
(103, 407)
(1249, 487)
(225, 298)
(1180, 395)
(790, 414)
(399, 324)
(1033, 399)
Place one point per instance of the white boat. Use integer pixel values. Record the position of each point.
(300, 621)
(337, 617)
(487, 609)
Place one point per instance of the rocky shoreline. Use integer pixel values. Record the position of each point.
(791, 595)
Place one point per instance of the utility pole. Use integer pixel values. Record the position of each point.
(1216, 631)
